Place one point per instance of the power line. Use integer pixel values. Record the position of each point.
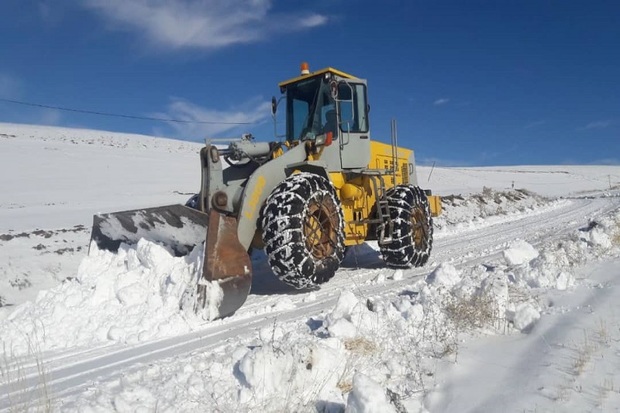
(118, 115)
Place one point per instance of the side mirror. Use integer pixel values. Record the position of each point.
(274, 106)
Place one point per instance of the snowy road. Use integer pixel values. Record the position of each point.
(68, 373)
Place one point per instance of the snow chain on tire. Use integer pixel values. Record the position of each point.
(412, 238)
(303, 230)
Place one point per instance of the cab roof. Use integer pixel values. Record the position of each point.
(321, 72)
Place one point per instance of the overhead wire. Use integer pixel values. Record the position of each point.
(120, 115)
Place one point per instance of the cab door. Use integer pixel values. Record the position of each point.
(354, 139)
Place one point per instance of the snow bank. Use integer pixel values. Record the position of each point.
(366, 353)
(462, 211)
(375, 354)
(552, 266)
(140, 293)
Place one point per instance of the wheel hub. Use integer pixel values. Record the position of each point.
(419, 228)
(319, 229)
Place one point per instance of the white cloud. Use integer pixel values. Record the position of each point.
(45, 10)
(50, 117)
(606, 161)
(9, 86)
(313, 20)
(238, 119)
(441, 101)
(206, 24)
(601, 124)
(535, 124)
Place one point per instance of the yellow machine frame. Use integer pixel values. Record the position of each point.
(358, 195)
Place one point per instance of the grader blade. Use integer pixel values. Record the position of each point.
(175, 226)
(226, 262)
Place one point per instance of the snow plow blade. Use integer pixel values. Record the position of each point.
(180, 228)
(176, 226)
(226, 262)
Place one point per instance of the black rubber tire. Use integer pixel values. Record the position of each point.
(412, 239)
(298, 205)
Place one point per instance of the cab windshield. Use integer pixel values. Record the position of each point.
(309, 104)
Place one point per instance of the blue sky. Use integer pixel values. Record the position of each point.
(469, 82)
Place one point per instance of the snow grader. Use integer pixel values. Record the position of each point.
(323, 187)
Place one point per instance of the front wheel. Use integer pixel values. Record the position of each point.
(303, 230)
(412, 235)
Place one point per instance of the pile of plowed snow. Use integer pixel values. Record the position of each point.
(392, 339)
(140, 293)
(459, 210)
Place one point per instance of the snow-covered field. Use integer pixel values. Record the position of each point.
(515, 312)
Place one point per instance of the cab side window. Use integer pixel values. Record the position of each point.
(353, 107)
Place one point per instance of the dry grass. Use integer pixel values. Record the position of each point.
(583, 355)
(615, 233)
(602, 333)
(14, 375)
(476, 311)
(361, 346)
(345, 386)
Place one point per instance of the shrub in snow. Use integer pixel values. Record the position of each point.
(390, 338)
(496, 285)
(494, 298)
(475, 311)
(615, 236)
(457, 303)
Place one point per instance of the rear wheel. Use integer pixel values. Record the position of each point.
(302, 225)
(412, 238)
